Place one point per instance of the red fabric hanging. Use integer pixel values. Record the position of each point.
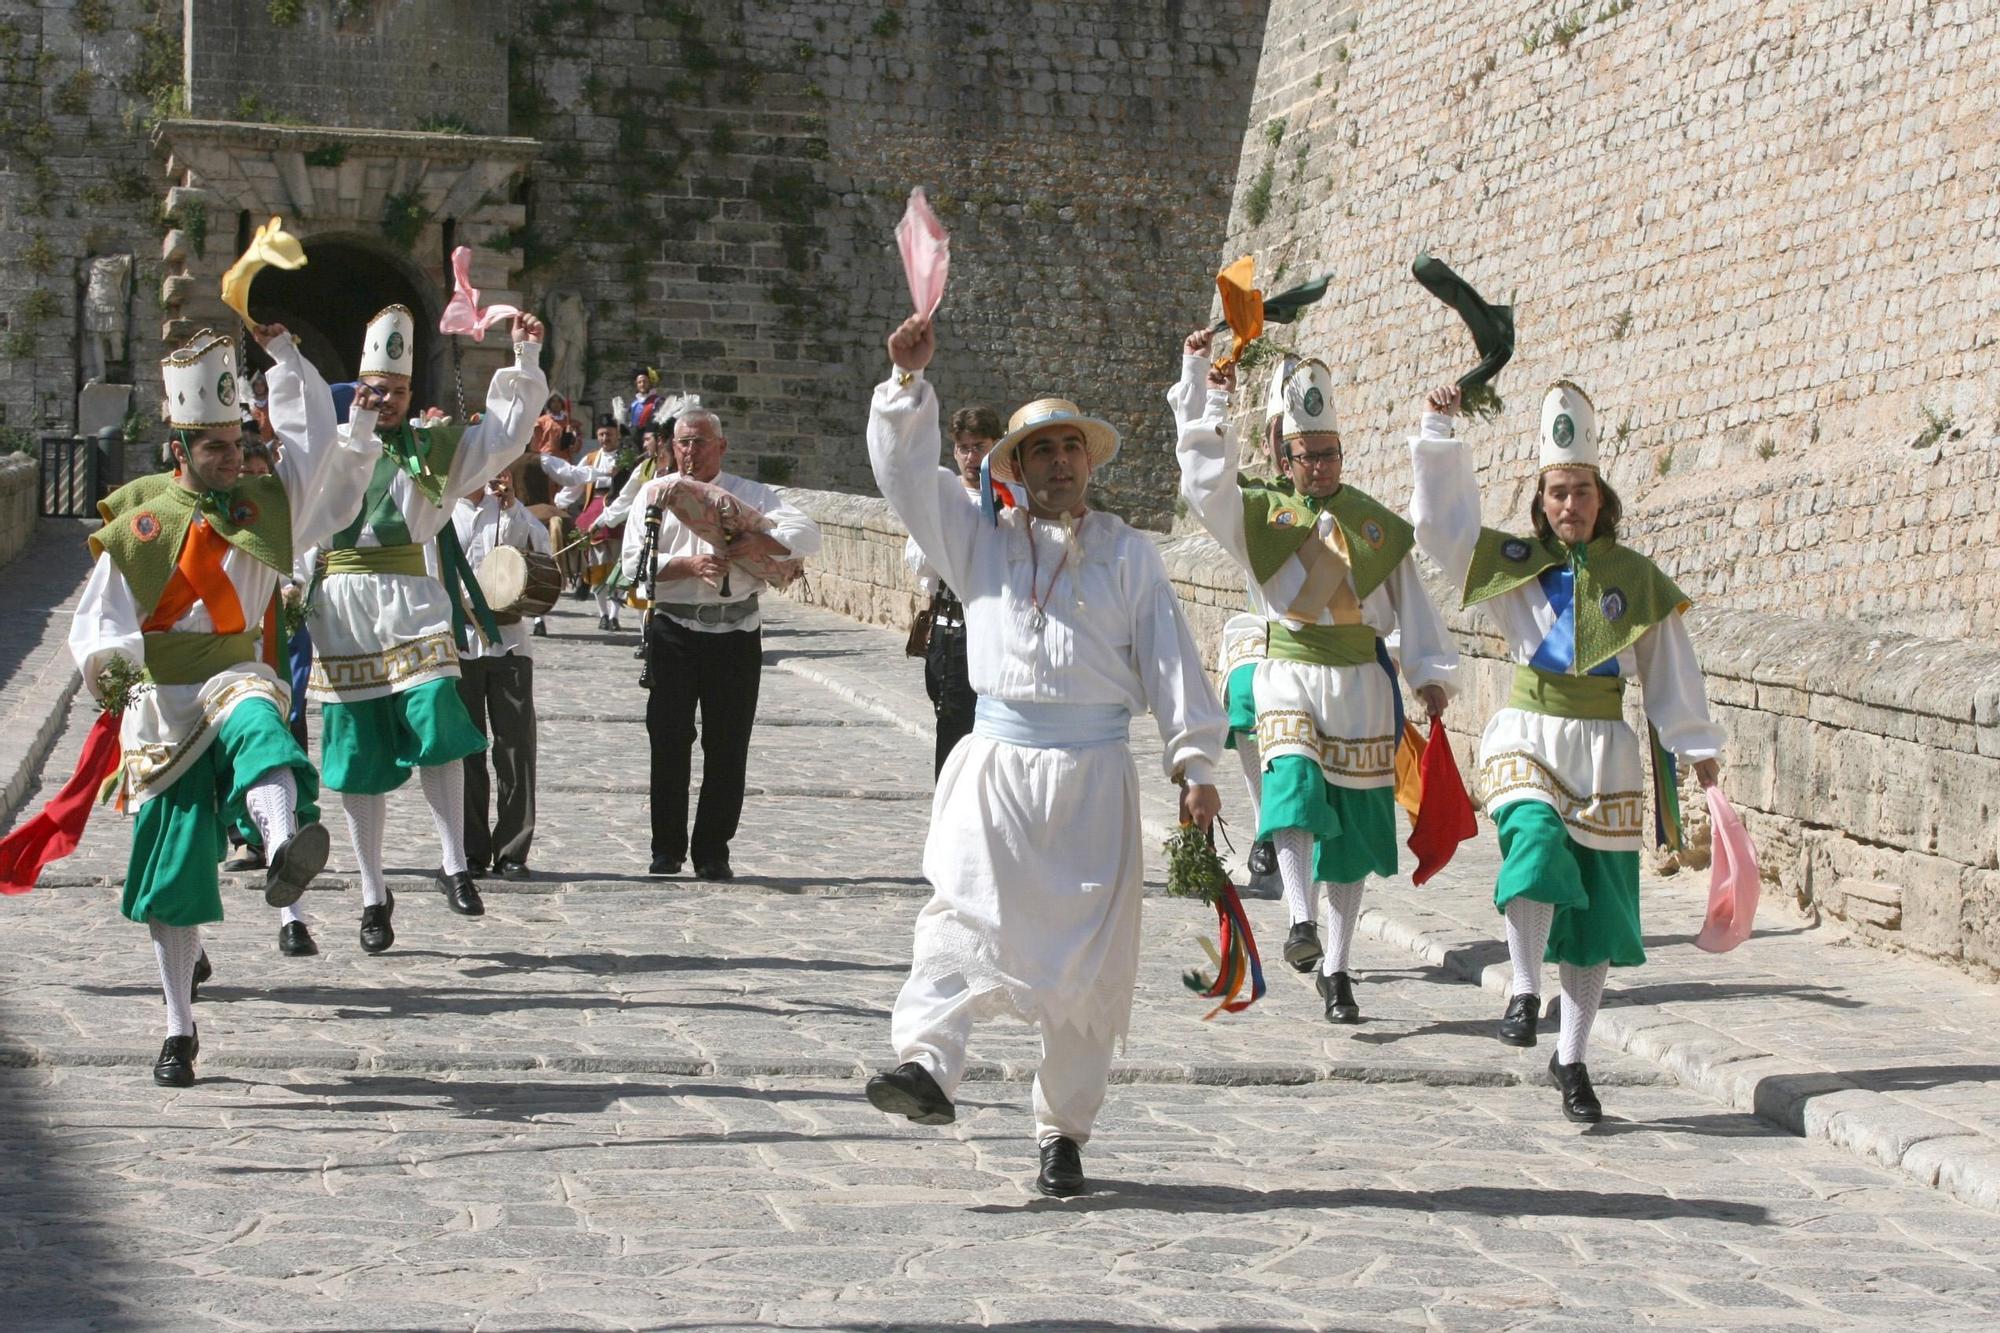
(1445, 818)
(54, 832)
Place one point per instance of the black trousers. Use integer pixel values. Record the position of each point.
(950, 688)
(719, 673)
(499, 692)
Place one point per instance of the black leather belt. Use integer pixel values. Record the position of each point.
(711, 613)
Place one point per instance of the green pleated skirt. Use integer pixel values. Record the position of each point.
(1354, 829)
(370, 747)
(1595, 894)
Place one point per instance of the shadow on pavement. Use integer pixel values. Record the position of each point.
(1480, 1200)
(1670, 992)
(614, 964)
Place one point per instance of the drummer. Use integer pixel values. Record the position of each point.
(497, 683)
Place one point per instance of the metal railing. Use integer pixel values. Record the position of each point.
(78, 471)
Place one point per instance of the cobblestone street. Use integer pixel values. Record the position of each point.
(616, 1102)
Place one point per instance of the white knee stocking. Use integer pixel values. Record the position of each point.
(606, 604)
(1528, 925)
(272, 802)
(176, 948)
(365, 816)
(1343, 910)
(1295, 870)
(1253, 775)
(1582, 992)
(444, 791)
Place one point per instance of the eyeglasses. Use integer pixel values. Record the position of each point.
(692, 441)
(1316, 458)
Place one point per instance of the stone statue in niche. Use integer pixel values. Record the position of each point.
(569, 339)
(107, 294)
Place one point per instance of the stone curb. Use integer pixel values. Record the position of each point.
(1812, 1103)
(21, 755)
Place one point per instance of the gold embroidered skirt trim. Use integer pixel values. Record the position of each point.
(153, 766)
(1292, 731)
(392, 669)
(1511, 775)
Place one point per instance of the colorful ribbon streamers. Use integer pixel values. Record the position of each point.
(57, 828)
(1734, 882)
(1236, 960)
(271, 247)
(462, 314)
(926, 251)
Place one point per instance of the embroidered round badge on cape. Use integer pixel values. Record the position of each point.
(1514, 549)
(1284, 518)
(395, 347)
(144, 526)
(1613, 605)
(1563, 431)
(1371, 531)
(225, 389)
(1314, 401)
(243, 513)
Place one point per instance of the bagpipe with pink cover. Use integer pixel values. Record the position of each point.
(715, 516)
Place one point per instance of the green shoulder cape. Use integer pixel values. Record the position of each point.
(424, 454)
(146, 521)
(1620, 594)
(1276, 523)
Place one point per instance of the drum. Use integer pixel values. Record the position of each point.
(518, 583)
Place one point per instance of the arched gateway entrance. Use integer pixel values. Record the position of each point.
(329, 302)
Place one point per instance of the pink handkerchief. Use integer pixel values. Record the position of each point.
(1732, 879)
(926, 248)
(462, 313)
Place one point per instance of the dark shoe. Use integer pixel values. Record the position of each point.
(1302, 949)
(461, 894)
(1263, 857)
(541, 630)
(1338, 992)
(663, 865)
(376, 932)
(175, 1067)
(513, 870)
(294, 865)
(1517, 1025)
(908, 1090)
(476, 869)
(1579, 1098)
(1062, 1170)
(246, 858)
(604, 622)
(580, 593)
(202, 972)
(295, 941)
(615, 627)
(716, 871)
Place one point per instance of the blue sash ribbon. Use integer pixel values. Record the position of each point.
(1046, 726)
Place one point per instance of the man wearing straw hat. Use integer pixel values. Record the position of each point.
(386, 673)
(1034, 853)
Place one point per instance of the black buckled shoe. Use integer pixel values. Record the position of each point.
(1062, 1169)
(909, 1091)
(510, 870)
(295, 941)
(1517, 1025)
(1302, 949)
(1579, 1098)
(294, 865)
(1263, 857)
(175, 1067)
(1338, 992)
(377, 934)
(461, 894)
(202, 972)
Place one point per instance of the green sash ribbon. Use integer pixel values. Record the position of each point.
(403, 559)
(1592, 698)
(1620, 594)
(1322, 645)
(457, 571)
(180, 658)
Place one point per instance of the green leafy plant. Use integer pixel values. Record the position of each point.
(1666, 463)
(448, 124)
(327, 155)
(39, 256)
(1482, 401)
(1274, 131)
(1193, 868)
(116, 682)
(887, 25)
(94, 16)
(192, 219)
(1937, 426)
(40, 307)
(72, 98)
(404, 218)
(284, 13)
(1766, 450)
(17, 440)
(1257, 199)
(1621, 323)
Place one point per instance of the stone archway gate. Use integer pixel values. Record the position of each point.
(419, 193)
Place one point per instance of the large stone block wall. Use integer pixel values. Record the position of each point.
(1765, 236)
(1866, 764)
(723, 181)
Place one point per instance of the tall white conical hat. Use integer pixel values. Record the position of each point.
(1274, 401)
(390, 345)
(201, 383)
(1309, 400)
(1569, 428)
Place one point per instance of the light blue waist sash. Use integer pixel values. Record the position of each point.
(1045, 726)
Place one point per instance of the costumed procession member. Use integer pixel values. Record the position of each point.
(387, 668)
(1559, 769)
(561, 464)
(704, 647)
(1332, 576)
(1244, 636)
(185, 587)
(973, 431)
(606, 574)
(656, 460)
(603, 464)
(497, 683)
(1034, 850)
(646, 400)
